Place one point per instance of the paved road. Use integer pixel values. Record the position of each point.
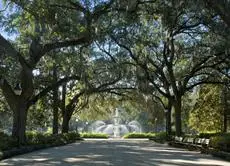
(114, 153)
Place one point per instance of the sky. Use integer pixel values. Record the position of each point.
(1, 4)
(1, 32)
(4, 34)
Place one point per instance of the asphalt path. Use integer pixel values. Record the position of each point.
(114, 153)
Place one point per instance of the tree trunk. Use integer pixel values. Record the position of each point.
(225, 108)
(19, 103)
(66, 115)
(65, 123)
(168, 118)
(55, 102)
(169, 126)
(177, 106)
(19, 122)
(225, 127)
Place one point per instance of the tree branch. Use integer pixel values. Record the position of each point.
(204, 82)
(49, 88)
(73, 42)
(102, 9)
(7, 47)
(125, 47)
(77, 6)
(8, 92)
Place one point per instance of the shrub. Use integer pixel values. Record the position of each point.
(94, 135)
(35, 138)
(71, 136)
(139, 135)
(161, 135)
(35, 141)
(7, 142)
(208, 135)
(173, 133)
(51, 139)
(221, 142)
(58, 139)
(3, 141)
(66, 138)
(1, 155)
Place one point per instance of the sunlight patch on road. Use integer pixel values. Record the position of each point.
(41, 159)
(201, 162)
(54, 162)
(5, 164)
(72, 160)
(132, 152)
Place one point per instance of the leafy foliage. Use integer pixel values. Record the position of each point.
(208, 111)
(208, 135)
(6, 142)
(221, 142)
(35, 138)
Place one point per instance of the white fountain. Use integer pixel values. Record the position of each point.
(116, 126)
(116, 129)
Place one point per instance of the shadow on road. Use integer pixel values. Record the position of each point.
(114, 153)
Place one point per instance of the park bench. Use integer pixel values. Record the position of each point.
(176, 141)
(202, 142)
(190, 143)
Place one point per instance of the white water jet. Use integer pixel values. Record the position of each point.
(116, 129)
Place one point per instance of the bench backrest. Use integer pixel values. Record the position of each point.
(188, 140)
(178, 139)
(202, 141)
(207, 141)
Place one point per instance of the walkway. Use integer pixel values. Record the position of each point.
(114, 153)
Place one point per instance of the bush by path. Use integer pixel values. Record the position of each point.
(139, 135)
(221, 142)
(35, 141)
(94, 135)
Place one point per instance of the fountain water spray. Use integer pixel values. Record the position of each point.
(116, 129)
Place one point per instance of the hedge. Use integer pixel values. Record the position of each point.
(221, 142)
(94, 135)
(139, 135)
(34, 138)
(208, 135)
(6, 142)
(35, 141)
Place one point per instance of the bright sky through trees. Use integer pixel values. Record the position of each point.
(6, 35)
